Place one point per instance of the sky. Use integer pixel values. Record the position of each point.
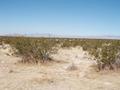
(60, 17)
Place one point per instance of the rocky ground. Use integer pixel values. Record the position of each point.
(73, 70)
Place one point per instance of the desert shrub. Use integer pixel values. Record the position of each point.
(105, 52)
(0, 41)
(72, 43)
(106, 57)
(66, 43)
(34, 50)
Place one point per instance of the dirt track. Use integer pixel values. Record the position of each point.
(55, 76)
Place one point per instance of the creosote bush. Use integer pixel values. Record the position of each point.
(33, 50)
(105, 52)
(106, 57)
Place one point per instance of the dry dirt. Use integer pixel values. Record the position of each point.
(73, 71)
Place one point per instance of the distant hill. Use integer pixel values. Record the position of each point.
(62, 36)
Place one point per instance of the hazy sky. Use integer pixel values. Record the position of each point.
(61, 17)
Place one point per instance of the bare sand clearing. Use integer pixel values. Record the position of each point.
(73, 71)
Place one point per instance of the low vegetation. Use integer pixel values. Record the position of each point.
(34, 50)
(105, 52)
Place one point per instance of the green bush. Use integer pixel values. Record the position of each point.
(106, 56)
(34, 50)
(105, 52)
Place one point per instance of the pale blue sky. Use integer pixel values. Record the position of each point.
(61, 17)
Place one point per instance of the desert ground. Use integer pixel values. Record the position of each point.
(73, 69)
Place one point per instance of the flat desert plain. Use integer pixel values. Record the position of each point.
(72, 70)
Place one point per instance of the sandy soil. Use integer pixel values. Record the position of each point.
(73, 71)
